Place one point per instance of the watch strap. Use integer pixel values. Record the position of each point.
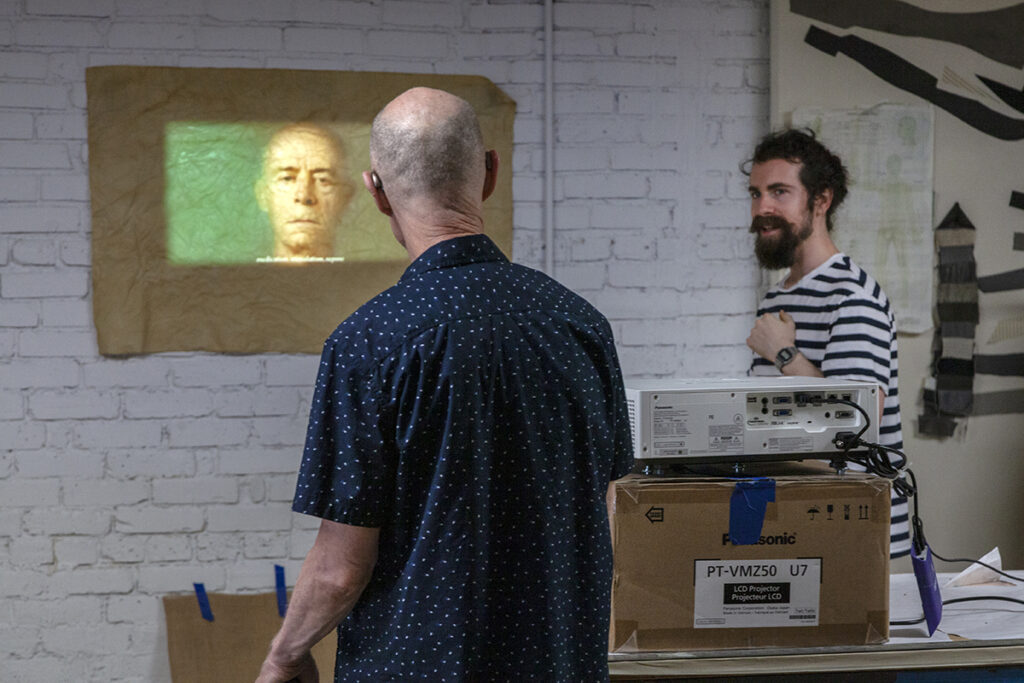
(785, 356)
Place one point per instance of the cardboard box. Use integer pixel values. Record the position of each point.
(231, 648)
(816, 574)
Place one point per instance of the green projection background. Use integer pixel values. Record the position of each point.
(212, 218)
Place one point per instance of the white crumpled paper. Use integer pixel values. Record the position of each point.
(976, 573)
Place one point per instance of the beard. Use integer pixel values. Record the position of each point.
(778, 251)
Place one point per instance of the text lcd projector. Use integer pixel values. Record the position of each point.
(751, 418)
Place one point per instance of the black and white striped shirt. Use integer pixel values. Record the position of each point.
(846, 327)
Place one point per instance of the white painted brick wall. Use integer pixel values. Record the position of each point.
(124, 479)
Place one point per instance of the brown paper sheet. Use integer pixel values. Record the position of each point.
(152, 182)
(230, 648)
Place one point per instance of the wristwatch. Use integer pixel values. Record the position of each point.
(785, 356)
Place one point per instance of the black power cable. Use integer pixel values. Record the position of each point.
(987, 566)
(911, 622)
(876, 462)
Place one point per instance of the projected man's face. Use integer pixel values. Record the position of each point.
(303, 191)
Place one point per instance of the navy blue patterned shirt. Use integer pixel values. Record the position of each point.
(475, 413)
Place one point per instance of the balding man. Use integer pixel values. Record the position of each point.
(304, 191)
(465, 429)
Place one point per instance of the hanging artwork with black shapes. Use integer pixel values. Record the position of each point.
(949, 393)
(994, 34)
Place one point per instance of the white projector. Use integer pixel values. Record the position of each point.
(750, 418)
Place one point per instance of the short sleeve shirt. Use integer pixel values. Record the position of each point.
(475, 413)
(846, 327)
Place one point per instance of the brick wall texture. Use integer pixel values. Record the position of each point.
(124, 479)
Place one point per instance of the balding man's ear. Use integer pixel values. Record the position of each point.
(490, 172)
(379, 198)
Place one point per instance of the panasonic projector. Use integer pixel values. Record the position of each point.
(747, 419)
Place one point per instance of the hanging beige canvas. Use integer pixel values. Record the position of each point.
(228, 211)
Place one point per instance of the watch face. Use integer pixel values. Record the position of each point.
(784, 356)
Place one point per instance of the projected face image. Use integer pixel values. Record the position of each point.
(303, 190)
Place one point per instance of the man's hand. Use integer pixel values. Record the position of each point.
(304, 671)
(772, 333)
(335, 573)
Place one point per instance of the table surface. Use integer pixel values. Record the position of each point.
(985, 633)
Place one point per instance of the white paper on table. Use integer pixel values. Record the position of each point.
(976, 573)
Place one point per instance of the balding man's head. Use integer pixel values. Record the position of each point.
(427, 143)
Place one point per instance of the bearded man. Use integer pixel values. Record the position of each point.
(826, 317)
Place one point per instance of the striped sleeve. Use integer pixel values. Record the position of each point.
(860, 340)
(845, 326)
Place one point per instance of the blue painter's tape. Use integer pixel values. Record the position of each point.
(204, 602)
(750, 498)
(282, 591)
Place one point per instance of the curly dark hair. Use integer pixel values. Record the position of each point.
(820, 169)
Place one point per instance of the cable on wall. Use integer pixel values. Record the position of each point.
(549, 140)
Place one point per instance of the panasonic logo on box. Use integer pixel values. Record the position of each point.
(778, 539)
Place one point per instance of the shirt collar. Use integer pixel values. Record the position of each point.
(458, 251)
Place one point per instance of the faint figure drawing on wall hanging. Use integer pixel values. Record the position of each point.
(887, 226)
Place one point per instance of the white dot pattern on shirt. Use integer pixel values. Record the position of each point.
(475, 412)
